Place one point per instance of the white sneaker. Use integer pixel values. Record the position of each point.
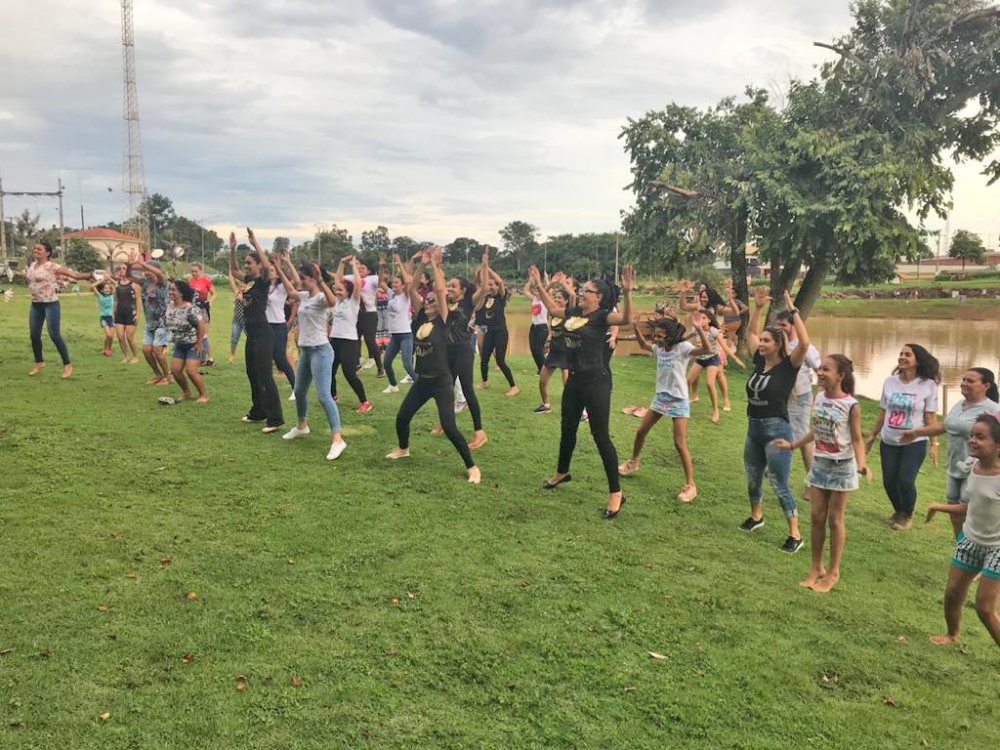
(391, 389)
(368, 365)
(295, 432)
(461, 406)
(406, 381)
(335, 450)
(292, 397)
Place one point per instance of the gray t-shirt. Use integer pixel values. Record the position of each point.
(958, 425)
(982, 523)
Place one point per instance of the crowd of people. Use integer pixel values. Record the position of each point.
(436, 326)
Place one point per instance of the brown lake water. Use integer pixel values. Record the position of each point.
(872, 343)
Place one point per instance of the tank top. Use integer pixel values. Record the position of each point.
(125, 294)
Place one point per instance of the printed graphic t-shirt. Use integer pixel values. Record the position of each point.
(905, 405)
(768, 390)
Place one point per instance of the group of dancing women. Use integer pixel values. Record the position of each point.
(434, 323)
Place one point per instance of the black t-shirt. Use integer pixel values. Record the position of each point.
(494, 312)
(557, 334)
(768, 391)
(586, 337)
(255, 302)
(459, 314)
(430, 346)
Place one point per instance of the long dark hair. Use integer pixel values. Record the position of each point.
(845, 367)
(308, 270)
(714, 298)
(991, 421)
(928, 367)
(990, 380)
(608, 291)
(673, 331)
(184, 289)
(468, 288)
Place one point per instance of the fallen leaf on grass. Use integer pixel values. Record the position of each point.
(296, 681)
(394, 602)
(5, 651)
(115, 534)
(366, 734)
(629, 689)
(131, 575)
(192, 595)
(231, 460)
(410, 596)
(902, 639)
(649, 566)
(160, 468)
(104, 717)
(290, 560)
(187, 658)
(101, 608)
(888, 700)
(165, 561)
(392, 651)
(241, 686)
(655, 655)
(925, 743)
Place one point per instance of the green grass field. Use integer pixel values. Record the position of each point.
(364, 603)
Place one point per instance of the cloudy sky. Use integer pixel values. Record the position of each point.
(437, 118)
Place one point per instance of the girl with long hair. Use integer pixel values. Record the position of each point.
(494, 307)
(398, 324)
(589, 383)
(127, 306)
(344, 336)
(557, 296)
(909, 402)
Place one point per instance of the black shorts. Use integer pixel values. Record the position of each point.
(556, 359)
(124, 318)
(206, 307)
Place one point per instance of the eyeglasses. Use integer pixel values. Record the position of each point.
(430, 301)
(589, 291)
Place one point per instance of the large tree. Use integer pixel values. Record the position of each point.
(968, 247)
(80, 256)
(519, 242)
(375, 243)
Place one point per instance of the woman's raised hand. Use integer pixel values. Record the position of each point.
(628, 278)
(685, 286)
(761, 296)
(789, 305)
(232, 241)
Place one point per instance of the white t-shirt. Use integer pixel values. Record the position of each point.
(803, 384)
(399, 313)
(345, 320)
(671, 369)
(712, 334)
(369, 288)
(276, 297)
(312, 319)
(905, 405)
(539, 315)
(831, 426)
(982, 521)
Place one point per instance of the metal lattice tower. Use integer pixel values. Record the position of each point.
(133, 173)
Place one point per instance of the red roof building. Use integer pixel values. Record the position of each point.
(109, 244)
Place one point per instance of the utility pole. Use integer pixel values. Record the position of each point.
(27, 194)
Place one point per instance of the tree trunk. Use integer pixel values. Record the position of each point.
(811, 287)
(738, 267)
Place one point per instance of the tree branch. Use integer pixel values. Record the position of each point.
(682, 192)
(846, 53)
(976, 15)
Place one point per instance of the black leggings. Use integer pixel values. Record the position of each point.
(280, 351)
(258, 352)
(422, 391)
(367, 327)
(593, 393)
(495, 342)
(537, 336)
(460, 357)
(347, 352)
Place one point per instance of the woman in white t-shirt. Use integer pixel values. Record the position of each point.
(315, 353)
(278, 293)
(398, 324)
(838, 459)
(344, 336)
(672, 354)
(909, 401)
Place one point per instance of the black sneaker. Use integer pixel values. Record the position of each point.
(792, 545)
(751, 525)
(543, 409)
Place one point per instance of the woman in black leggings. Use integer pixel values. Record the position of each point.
(281, 292)
(494, 307)
(434, 378)
(463, 297)
(344, 333)
(260, 339)
(589, 383)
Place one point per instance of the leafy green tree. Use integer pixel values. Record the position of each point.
(328, 246)
(26, 229)
(281, 245)
(519, 242)
(160, 210)
(968, 247)
(375, 243)
(80, 256)
(405, 246)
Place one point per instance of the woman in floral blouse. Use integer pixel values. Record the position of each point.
(42, 276)
(187, 326)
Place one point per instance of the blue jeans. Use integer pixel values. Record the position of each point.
(235, 332)
(49, 313)
(316, 363)
(400, 342)
(759, 454)
(900, 466)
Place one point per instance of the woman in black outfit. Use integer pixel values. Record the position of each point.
(589, 383)
(260, 338)
(463, 297)
(494, 308)
(434, 378)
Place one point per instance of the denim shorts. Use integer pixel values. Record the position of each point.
(954, 488)
(799, 411)
(976, 558)
(832, 474)
(187, 352)
(107, 321)
(712, 361)
(670, 406)
(158, 338)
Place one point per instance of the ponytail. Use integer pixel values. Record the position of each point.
(989, 379)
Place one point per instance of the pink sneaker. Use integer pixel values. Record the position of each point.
(365, 407)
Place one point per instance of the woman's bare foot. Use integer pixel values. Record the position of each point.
(628, 468)
(715, 416)
(134, 361)
(439, 430)
(67, 371)
(810, 580)
(512, 391)
(727, 406)
(629, 410)
(126, 360)
(479, 439)
(474, 476)
(695, 400)
(943, 640)
(36, 369)
(688, 493)
(481, 386)
(640, 412)
(398, 453)
(184, 397)
(232, 358)
(201, 400)
(163, 381)
(826, 582)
